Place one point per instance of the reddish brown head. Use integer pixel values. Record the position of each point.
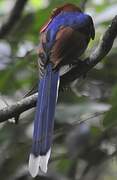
(64, 8)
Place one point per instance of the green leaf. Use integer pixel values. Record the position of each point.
(36, 3)
(64, 165)
(95, 131)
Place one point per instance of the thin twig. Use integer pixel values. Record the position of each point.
(13, 18)
(83, 4)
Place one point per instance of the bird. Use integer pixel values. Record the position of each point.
(63, 39)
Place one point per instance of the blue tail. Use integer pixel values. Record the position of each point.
(44, 121)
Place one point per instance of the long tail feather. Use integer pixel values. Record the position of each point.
(44, 121)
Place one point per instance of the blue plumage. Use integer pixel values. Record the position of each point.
(44, 121)
(43, 124)
(71, 19)
(63, 39)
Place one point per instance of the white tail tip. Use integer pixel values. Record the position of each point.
(38, 164)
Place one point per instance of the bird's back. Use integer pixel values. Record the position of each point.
(67, 37)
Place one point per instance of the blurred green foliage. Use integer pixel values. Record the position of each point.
(83, 101)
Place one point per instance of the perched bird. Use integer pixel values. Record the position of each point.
(63, 39)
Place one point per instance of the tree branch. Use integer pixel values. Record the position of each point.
(79, 70)
(13, 18)
(83, 67)
(18, 108)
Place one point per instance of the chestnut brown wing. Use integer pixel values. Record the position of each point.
(69, 45)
